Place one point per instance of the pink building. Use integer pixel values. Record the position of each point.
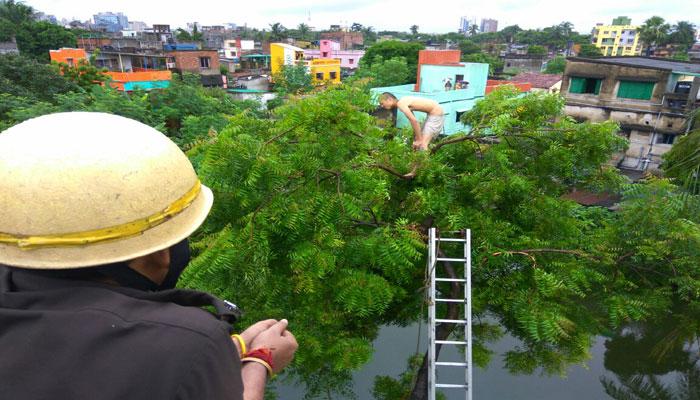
(330, 49)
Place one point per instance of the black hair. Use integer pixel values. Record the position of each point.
(387, 95)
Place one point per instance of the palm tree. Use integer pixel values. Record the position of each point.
(653, 33)
(277, 31)
(683, 33)
(303, 31)
(356, 27)
(473, 30)
(414, 30)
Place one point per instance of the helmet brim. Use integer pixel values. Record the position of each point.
(154, 239)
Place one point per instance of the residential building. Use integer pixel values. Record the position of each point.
(137, 26)
(330, 49)
(324, 70)
(163, 32)
(465, 23)
(347, 40)
(488, 25)
(282, 54)
(516, 63)
(548, 83)
(68, 56)
(111, 22)
(619, 39)
(435, 69)
(125, 76)
(650, 98)
(214, 36)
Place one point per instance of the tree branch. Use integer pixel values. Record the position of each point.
(396, 173)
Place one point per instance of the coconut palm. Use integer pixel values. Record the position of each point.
(473, 30)
(653, 33)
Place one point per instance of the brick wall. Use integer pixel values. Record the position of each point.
(189, 61)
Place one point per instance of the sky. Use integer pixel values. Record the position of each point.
(434, 16)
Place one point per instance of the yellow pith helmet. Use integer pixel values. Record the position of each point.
(82, 189)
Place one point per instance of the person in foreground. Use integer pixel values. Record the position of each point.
(95, 212)
(434, 122)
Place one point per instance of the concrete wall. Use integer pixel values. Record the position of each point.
(512, 65)
(188, 61)
(645, 123)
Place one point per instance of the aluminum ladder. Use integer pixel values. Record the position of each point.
(433, 260)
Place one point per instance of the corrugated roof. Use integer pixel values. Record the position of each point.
(542, 81)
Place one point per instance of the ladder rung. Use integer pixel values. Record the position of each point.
(450, 386)
(450, 342)
(451, 364)
(451, 259)
(450, 240)
(450, 300)
(450, 280)
(451, 321)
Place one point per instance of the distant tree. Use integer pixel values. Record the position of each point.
(473, 30)
(84, 73)
(13, 15)
(356, 27)
(22, 76)
(303, 31)
(536, 50)
(392, 49)
(469, 47)
(589, 50)
(35, 39)
(293, 79)
(495, 63)
(196, 34)
(381, 73)
(654, 32)
(277, 31)
(556, 65)
(182, 35)
(682, 162)
(683, 33)
(370, 36)
(508, 33)
(414, 30)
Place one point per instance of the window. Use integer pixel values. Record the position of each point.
(319, 76)
(635, 90)
(459, 116)
(665, 139)
(351, 61)
(630, 41)
(204, 62)
(585, 85)
(325, 54)
(333, 74)
(69, 61)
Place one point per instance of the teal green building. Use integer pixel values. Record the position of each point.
(455, 86)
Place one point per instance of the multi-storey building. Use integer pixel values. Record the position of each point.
(329, 49)
(465, 23)
(619, 39)
(650, 98)
(111, 22)
(488, 25)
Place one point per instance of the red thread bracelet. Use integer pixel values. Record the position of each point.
(262, 354)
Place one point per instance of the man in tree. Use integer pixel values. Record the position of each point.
(433, 124)
(93, 239)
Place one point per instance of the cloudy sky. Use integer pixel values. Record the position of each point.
(433, 16)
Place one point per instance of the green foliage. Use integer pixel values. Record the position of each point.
(654, 32)
(589, 50)
(682, 162)
(390, 49)
(293, 79)
(683, 34)
(536, 50)
(383, 73)
(84, 74)
(495, 63)
(468, 47)
(21, 76)
(557, 65)
(388, 388)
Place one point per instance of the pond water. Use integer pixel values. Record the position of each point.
(627, 354)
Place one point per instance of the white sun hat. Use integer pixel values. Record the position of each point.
(83, 189)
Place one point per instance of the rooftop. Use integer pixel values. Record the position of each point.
(646, 62)
(542, 81)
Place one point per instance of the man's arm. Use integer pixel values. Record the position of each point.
(413, 120)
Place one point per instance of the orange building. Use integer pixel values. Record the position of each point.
(68, 56)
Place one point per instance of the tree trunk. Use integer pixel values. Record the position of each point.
(443, 331)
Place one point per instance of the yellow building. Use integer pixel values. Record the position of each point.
(325, 70)
(284, 54)
(619, 39)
